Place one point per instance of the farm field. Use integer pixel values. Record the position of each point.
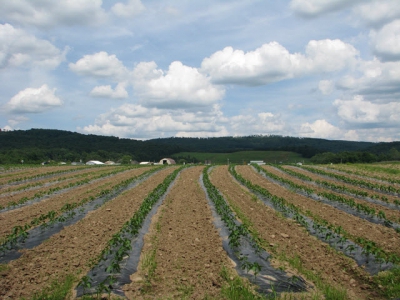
(244, 157)
(197, 232)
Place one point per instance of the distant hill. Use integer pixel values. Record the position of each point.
(36, 145)
(308, 147)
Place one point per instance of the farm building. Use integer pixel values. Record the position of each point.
(167, 161)
(94, 162)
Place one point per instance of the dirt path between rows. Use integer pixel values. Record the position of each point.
(12, 176)
(188, 248)
(393, 215)
(314, 176)
(70, 251)
(30, 193)
(376, 176)
(35, 184)
(26, 214)
(314, 254)
(352, 176)
(386, 238)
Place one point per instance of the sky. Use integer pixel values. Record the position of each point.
(178, 68)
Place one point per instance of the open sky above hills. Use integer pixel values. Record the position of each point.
(148, 69)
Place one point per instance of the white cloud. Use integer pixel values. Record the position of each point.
(17, 120)
(260, 123)
(132, 8)
(105, 91)
(273, 62)
(326, 87)
(20, 49)
(314, 8)
(136, 121)
(321, 129)
(378, 12)
(179, 87)
(378, 80)
(100, 65)
(362, 112)
(386, 41)
(49, 13)
(34, 100)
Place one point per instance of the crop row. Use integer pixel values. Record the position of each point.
(359, 207)
(365, 170)
(359, 182)
(52, 190)
(20, 233)
(338, 188)
(46, 174)
(119, 246)
(320, 225)
(45, 182)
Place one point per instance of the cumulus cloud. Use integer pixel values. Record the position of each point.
(178, 87)
(137, 121)
(272, 62)
(17, 120)
(378, 80)
(100, 65)
(105, 91)
(321, 129)
(314, 8)
(130, 9)
(20, 49)
(34, 100)
(378, 12)
(365, 113)
(260, 123)
(49, 13)
(386, 41)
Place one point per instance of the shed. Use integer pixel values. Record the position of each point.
(167, 161)
(258, 162)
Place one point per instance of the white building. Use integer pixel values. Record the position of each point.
(94, 162)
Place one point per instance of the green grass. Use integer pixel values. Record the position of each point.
(390, 282)
(57, 290)
(244, 157)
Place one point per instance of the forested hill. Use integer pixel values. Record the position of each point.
(37, 145)
(308, 147)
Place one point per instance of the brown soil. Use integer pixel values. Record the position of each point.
(384, 237)
(26, 214)
(29, 172)
(362, 173)
(189, 253)
(36, 184)
(16, 196)
(282, 235)
(352, 176)
(71, 250)
(390, 198)
(391, 214)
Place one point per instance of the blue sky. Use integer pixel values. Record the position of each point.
(147, 69)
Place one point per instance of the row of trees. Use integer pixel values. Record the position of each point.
(355, 157)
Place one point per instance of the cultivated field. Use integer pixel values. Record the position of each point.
(196, 232)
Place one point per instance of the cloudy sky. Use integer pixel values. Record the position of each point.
(151, 68)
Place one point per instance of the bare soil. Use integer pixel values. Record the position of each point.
(29, 193)
(26, 214)
(29, 172)
(189, 254)
(282, 235)
(38, 183)
(393, 215)
(386, 238)
(71, 250)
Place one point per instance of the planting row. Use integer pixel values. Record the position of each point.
(71, 252)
